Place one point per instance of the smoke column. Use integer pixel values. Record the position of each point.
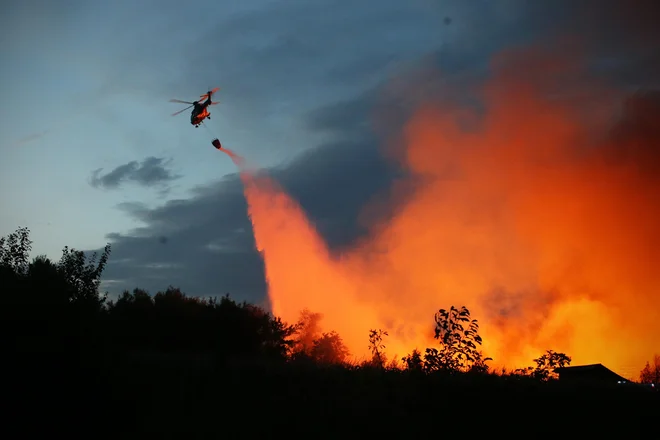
(543, 219)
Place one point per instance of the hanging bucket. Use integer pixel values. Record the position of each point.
(216, 144)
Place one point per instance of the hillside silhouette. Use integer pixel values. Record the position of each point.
(169, 365)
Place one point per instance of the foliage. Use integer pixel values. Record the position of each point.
(170, 321)
(544, 370)
(377, 347)
(458, 336)
(650, 374)
(307, 330)
(55, 307)
(147, 353)
(547, 363)
(45, 292)
(414, 361)
(329, 349)
(83, 275)
(309, 344)
(15, 251)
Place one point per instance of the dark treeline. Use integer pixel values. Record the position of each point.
(171, 366)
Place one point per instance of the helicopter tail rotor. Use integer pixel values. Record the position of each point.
(209, 93)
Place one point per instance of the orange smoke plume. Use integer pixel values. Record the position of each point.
(540, 219)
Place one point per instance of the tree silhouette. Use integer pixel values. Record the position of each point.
(458, 343)
(14, 256)
(414, 361)
(376, 346)
(651, 372)
(56, 305)
(140, 352)
(545, 366)
(275, 337)
(55, 344)
(15, 252)
(329, 349)
(133, 320)
(307, 331)
(83, 276)
(170, 321)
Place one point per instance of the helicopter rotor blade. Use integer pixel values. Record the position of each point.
(181, 102)
(180, 111)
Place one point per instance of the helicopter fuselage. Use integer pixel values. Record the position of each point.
(200, 108)
(200, 113)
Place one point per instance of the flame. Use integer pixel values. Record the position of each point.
(526, 219)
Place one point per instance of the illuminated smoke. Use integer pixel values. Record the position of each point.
(543, 220)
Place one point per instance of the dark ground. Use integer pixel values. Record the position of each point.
(192, 398)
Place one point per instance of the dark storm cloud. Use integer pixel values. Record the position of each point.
(620, 38)
(303, 50)
(151, 171)
(307, 52)
(203, 244)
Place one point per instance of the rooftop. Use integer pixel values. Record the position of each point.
(599, 369)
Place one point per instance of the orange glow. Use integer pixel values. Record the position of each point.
(527, 221)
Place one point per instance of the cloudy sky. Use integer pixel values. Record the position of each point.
(89, 151)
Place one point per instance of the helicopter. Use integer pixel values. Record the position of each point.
(200, 111)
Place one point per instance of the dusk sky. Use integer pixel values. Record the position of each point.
(90, 154)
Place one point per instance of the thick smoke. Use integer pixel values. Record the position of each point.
(541, 215)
